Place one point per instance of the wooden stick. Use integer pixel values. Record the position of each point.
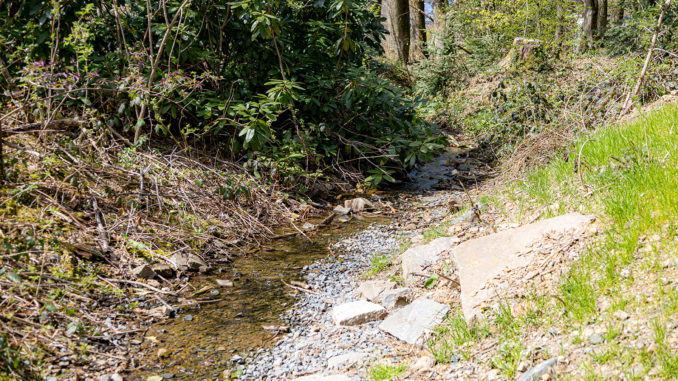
(141, 285)
(629, 98)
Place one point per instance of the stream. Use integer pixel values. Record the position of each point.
(226, 336)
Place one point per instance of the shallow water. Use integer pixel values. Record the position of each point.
(204, 344)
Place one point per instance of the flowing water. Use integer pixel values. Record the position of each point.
(201, 342)
(202, 345)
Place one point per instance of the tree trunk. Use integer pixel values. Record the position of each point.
(418, 32)
(589, 27)
(618, 15)
(397, 42)
(602, 17)
(438, 26)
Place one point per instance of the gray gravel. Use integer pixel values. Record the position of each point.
(314, 338)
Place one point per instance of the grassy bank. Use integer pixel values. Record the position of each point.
(613, 312)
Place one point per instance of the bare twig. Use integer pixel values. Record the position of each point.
(628, 103)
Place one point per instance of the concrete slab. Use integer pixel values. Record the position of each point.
(411, 322)
(354, 313)
(416, 259)
(482, 259)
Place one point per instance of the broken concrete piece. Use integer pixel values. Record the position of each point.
(371, 289)
(482, 259)
(416, 259)
(189, 262)
(359, 312)
(143, 272)
(397, 297)
(411, 322)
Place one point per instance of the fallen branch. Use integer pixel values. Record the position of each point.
(299, 288)
(51, 124)
(140, 285)
(456, 282)
(628, 103)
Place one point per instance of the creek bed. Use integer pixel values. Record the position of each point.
(202, 342)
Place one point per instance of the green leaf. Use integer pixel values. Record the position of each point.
(14, 277)
(431, 281)
(49, 306)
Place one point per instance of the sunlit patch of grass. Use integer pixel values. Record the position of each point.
(379, 263)
(666, 357)
(450, 338)
(386, 372)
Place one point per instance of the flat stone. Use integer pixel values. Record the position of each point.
(308, 226)
(224, 282)
(482, 259)
(160, 312)
(342, 210)
(345, 360)
(397, 297)
(538, 371)
(411, 322)
(595, 339)
(424, 363)
(320, 377)
(189, 262)
(358, 204)
(163, 269)
(143, 272)
(417, 258)
(359, 312)
(371, 289)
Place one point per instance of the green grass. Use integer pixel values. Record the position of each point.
(386, 372)
(628, 178)
(451, 336)
(379, 263)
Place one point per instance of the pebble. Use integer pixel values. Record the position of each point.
(595, 339)
(188, 318)
(621, 315)
(163, 352)
(306, 347)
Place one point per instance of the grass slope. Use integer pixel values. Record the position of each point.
(623, 289)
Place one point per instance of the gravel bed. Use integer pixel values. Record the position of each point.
(314, 338)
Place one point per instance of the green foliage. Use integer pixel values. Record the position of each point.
(452, 336)
(12, 364)
(286, 83)
(379, 264)
(386, 372)
(634, 32)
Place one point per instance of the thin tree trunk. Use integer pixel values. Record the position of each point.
(397, 22)
(628, 103)
(602, 17)
(418, 31)
(438, 26)
(618, 14)
(590, 16)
